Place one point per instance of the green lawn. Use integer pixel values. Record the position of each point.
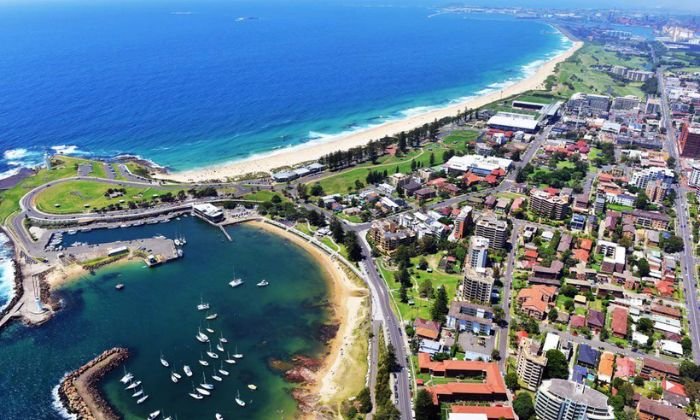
(73, 196)
(62, 167)
(618, 207)
(457, 140)
(262, 195)
(565, 164)
(98, 170)
(576, 74)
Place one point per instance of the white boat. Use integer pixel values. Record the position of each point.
(127, 377)
(229, 360)
(263, 283)
(252, 387)
(173, 378)
(163, 361)
(133, 385)
(202, 305)
(211, 353)
(142, 399)
(239, 401)
(177, 375)
(203, 391)
(137, 393)
(211, 316)
(217, 378)
(177, 242)
(209, 329)
(167, 418)
(187, 370)
(220, 347)
(153, 415)
(237, 355)
(235, 282)
(222, 370)
(218, 416)
(205, 384)
(194, 394)
(202, 361)
(201, 337)
(222, 339)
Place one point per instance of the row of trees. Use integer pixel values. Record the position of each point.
(386, 410)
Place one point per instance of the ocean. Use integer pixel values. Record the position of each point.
(188, 84)
(156, 312)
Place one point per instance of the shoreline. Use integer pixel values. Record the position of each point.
(347, 301)
(313, 151)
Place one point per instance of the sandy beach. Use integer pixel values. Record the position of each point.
(313, 151)
(349, 309)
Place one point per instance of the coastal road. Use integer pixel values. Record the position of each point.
(392, 327)
(687, 259)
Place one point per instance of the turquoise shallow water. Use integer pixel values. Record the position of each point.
(156, 312)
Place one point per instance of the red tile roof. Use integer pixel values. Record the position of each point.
(586, 244)
(619, 321)
(493, 382)
(492, 413)
(577, 321)
(660, 411)
(581, 255)
(673, 388)
(625, 367)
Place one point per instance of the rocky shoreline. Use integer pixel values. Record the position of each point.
(78, 391)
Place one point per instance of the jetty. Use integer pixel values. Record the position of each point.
(79, 393)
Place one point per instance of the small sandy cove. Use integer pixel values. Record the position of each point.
(310, 152)
(347, 301)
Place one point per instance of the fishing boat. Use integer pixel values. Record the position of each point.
(229, 360)
(127, 377)
(222, 370)
(222, 339)
(153, 415)
(205, 384)
(263, 283)
(142, 399)
(133, 385)
(187, 370)
(137, 393)
(211, 353)
(163, 361)
(211, 316)
(220, 347)
(237, 355)
(202, 305)
(252, 387)
(203, 391)
(239, 401)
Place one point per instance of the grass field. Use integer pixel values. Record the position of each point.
(62, 167)
(262, 195)
(74, 196)
(577, 73)
(343, 181)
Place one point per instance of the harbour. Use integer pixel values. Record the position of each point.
(254, 321)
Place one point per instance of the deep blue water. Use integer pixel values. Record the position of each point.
(186, 84)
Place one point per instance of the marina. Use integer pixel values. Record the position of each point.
(260, 331)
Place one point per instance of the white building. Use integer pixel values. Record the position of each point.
(478, 251)
(208, 211)
(480, 165)
(559, 399)
(641, 179)
(694, 179)
(551, 342)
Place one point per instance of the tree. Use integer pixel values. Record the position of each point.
(317, 189)
(425, 409)
(439, 309)
(495, 354)
(425, 289)
(645, 325)
(402, 276)
(511, 379)
(556, 365)
(687, 345)
(403, 294)
(337, 230)
(642, 201)
(568, 290)
(523, 407)
(643, 267)
(672, 244)
(553, 315)
(364, 401)
(432, 159)
(354, 250)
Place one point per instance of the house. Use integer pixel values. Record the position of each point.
(672, 348)
(577, 321)
(625, 367)
(668, 311)
(659, 370)
(605, 367)
(536, 300)
(579, 374)
(595, 320)
(652, 410)
(587, 356)
(619, 322)
(424, 194)
(426, 328)
(547, 275)
(674, 393)
(491, 388)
